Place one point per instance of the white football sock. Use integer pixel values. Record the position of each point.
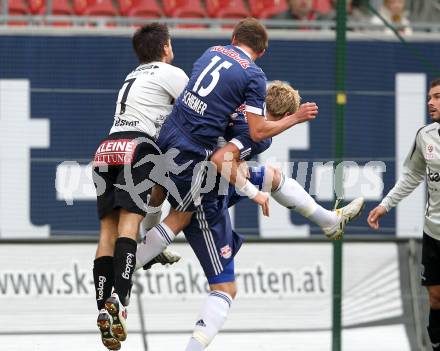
(151, 219)
(194, 345)
(211, 318)
(156, 240)
(324, 218)
(292, 195)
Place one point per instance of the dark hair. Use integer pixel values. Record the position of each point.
(149, 42)
(251, 33)
(435, 82)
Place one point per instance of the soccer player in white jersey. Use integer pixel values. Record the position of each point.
(423, 161)
(146, 97)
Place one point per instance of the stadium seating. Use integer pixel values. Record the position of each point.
(17, 8)
(140, 8)
(59, 7)
(322, 6)
(94, 8)
(267, 8)
(226, 8)
(183, 8)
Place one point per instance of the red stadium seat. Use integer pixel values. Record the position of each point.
(17, 8)
(37, 7)
(140, 8)
(323, 6)
(94, 8)
(183, 8)
(226, 8)
(267, 8)
(59, 7)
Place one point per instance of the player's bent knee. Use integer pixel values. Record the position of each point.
(178, 220)
(157, 196)
(229, 288)
(129, 224)
(272, 177)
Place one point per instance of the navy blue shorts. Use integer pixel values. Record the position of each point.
(184, 187)
(210, 232)
(212, 239)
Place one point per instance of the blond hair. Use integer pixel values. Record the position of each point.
(281, 98)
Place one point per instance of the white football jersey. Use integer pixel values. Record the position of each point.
(147, 97)
(422, 162)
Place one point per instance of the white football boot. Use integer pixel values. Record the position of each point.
(164, 258)
(346, 214)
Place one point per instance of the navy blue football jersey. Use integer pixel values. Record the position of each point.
(223, 79)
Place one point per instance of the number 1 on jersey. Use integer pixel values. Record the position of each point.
(215, 76)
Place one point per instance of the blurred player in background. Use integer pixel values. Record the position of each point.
(423, 161)
(145, 99)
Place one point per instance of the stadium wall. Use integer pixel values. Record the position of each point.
(67, 106)
(284, 301)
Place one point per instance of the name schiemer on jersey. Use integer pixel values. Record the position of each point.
(194, 103)
(223, 78)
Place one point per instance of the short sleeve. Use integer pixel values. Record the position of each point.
(256, 93)
(174, 81)
(238, 134)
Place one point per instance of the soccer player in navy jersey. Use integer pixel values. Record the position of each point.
(211, 222)
(223, 78)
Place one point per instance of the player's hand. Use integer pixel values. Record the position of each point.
(262, 199)
(374, 216)
(306, 112)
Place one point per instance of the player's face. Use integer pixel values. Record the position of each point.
(169, 54)
(434, 103)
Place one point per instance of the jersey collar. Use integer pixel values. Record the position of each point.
(244, 51)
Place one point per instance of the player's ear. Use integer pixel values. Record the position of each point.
(261, 53)
(234, 41)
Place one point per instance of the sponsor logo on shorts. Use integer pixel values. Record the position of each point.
(115, 152)
(226, 252)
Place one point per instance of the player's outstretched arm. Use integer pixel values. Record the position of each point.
(413, 174)
(374, 216)
(260, 128)
(226, 160)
